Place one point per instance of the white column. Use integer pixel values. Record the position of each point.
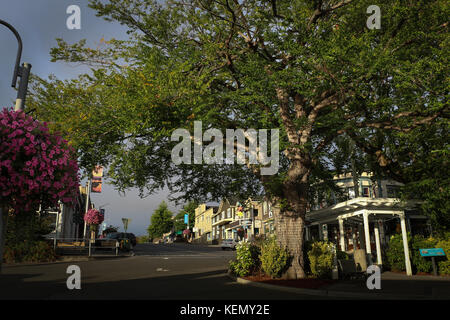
(405, 245)
(367, 237)
(366, 232)
(341, 234)
(377, 243)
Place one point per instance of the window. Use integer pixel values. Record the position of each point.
(255, 212)
(270, 212)
(223, 215)
(229, 213)
(203, 218)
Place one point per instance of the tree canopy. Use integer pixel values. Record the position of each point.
(160, 222)
(310, 68)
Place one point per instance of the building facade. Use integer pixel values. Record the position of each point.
(203, 223)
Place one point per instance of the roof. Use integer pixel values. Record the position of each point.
(376, 205)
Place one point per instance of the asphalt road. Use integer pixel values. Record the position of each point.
(163, 271)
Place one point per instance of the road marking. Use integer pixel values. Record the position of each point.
(161, 269)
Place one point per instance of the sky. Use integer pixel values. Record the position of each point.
(39, 23)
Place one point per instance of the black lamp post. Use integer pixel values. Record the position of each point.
(19, 71)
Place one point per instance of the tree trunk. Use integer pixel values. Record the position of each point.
(290, 235)
(290, 221)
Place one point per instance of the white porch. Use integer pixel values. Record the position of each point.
(359, 213)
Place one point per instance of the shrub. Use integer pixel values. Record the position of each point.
(395, 255)
(143, 239)
(246, 259)
(39, 251)
(321, 258)
(444, 266)
(421, 264)
(274, 259)
(341, 255)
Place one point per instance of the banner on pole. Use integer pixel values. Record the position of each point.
(97, 174)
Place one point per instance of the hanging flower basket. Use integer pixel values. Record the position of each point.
(36, 166)
(93, 217)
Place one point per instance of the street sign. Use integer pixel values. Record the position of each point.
(186, 218)
(125, 223)
(433, 252)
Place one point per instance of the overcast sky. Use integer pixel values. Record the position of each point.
(39, 23)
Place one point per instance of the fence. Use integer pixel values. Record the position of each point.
(89, 246)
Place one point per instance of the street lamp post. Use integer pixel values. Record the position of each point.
(19, 71)
(23, 72)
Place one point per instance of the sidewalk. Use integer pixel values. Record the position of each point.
(71, 258)
(393, 286)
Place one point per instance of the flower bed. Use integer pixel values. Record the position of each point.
(308, 283)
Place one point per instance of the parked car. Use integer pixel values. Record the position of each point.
(122, 235)
(228, 244)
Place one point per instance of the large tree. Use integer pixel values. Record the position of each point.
(313, 69)
(161, 221)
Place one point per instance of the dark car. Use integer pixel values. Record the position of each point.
(122, 235)
(132, 238)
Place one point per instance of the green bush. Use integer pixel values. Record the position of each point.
(142, 239)
(246, 259)
(341, 255)
(395, 254)
(274, 259)
(321, 258)
(421, 264)
(444, 266)
(38, 251)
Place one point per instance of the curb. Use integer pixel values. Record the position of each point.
(64, 259)
(331, 293)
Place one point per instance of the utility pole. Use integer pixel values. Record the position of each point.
(88, 194)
